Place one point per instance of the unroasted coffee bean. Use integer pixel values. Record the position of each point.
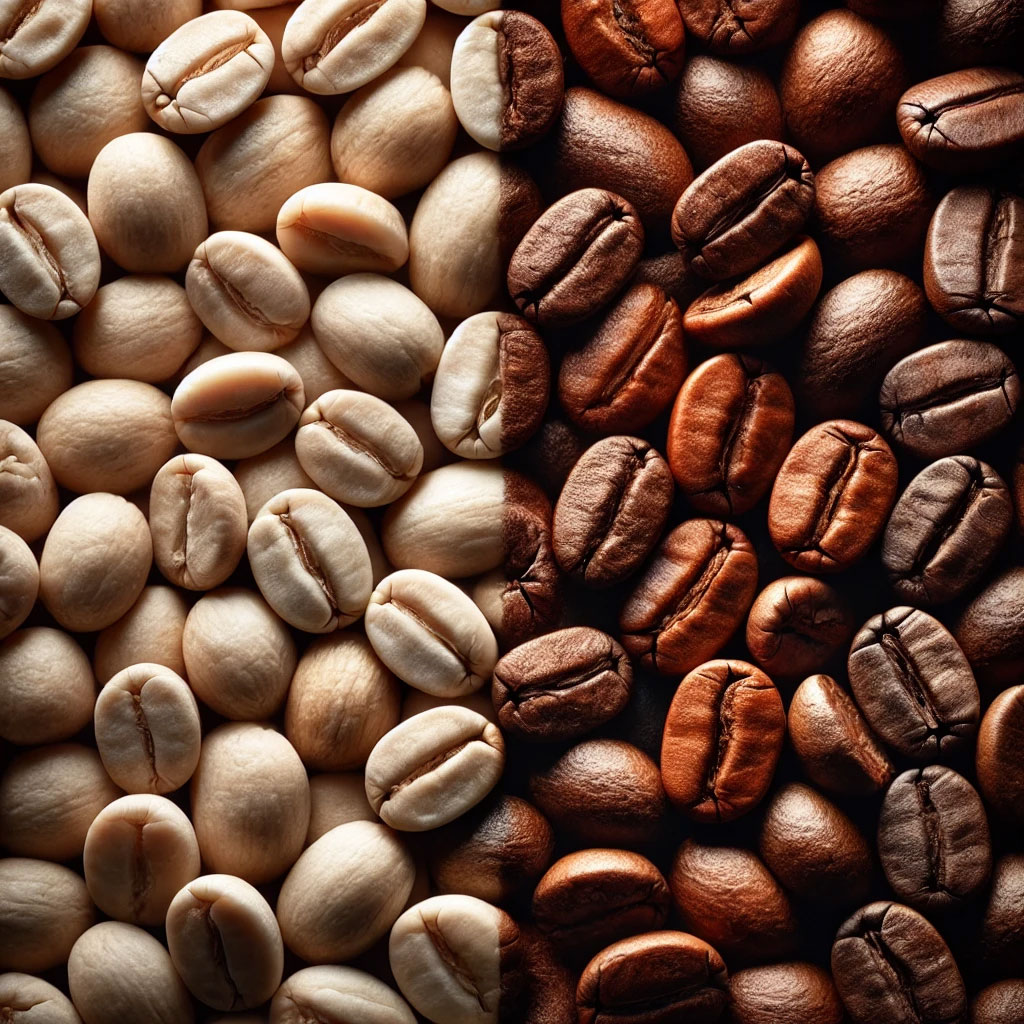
(832, 496)
(36, 39)
(946, 530)
(887, 959)
(1000, 935)
(28, 493)
(19, 575)
(998, 757)
(729, 28)
(914, 684)
(723, 736)
(691, 598)
(999, 1003)
(611, 511)
(41, 998)
(949, 397)
(731, 427)
(36, 362)
(991, 629)
(575, 257)
(788, 993)
(743, 208)
(334, 993)
(152, 629)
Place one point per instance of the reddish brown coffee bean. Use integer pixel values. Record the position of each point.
(999, 1003)
(550, 991)
(672, 274)
(990, 630)
(999, 759)
(550, 454)
(1001, 934)
(691, 598)
(973, 32)
(731, 426)
(790, 993)
(725, 26)
(722, 740)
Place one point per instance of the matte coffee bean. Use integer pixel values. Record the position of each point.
(333, 992)
(19, 572)
(550, 990)
(1000, 935)
(788, 993)
(998, 757)
(42, 998)
(999, 1003)
(946, 530)
(39, 38)
(28, 492)
(990, 630)
(731, 426)
(969, 33)
(914, 684)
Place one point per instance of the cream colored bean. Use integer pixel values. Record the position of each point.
(379, 565)
(417, 701)
(209, 348)
(19, 581)
(433, 47)
(31, 1000)
(358, 449)
(468, 8)
(336, 798)
(273, 20)
(139, 851)
(417, 412)
(319, 375)
(225, 942)
(345, 892)
(16, 154)
(35, 365)
(95, 562)
(142, 25)
(340, 229)
(150, 630)
(337, 995)
(379, 333)
(334, 46)
(341, 702)
(250, 802)
(264, 475)
(35, 37)
(207, 72)
(433, 768)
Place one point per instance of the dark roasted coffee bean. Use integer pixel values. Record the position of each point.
(1000, 754)
(974, 260)
(612, 510)
(734, 28)
(550, 991)
(629, 368)
(970, 120)
(653, 979)
(973, 32)
(672, 274)
(691, 598)
(722, 740)
(889, 964)
(949, 397)
(550, 454)
(933, 838)
(892, 8)
(790, 993)
(743, 208)
(796, 624)
(836, 748)
(1000, 1003)
(946, 530)
(990, 629)
(561, 685)
(1001, 936)
(832, 496)
(914, 684)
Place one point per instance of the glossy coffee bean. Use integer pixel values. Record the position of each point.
(914, 684)
(691, 598)
(611, 511)
(945, 530)
(990, 630)
(933, 839)
(999, 1003)
(730, 28)
(723, 736)
(731, 427)
(1001, 934)
(787, 993)
(998, 758)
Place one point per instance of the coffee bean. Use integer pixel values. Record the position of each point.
(991, 629)
(998, 758)
(332, 990)
(1000, 936)
(550, 996)
(723, 29)
(1000, 1003)
(788, 993)
(968, 33)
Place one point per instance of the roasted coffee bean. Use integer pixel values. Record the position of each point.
(723, 736)
(562, 685)
(789, 993)
(672, 274)
(691, 598)
(974, 260)
(998, 758)
(1001, 934)
(990, 630)
(933, 839)
(890, 964)
(999, 1003)
(831, 496)
(969, 33)
(741, 28)
(731, 427)
(611, 511)
(949, 397)
(652, 979)
(629, 369)
(575, 257)
(946, 530)
(969, 120)
(914, 684)
(550, 991)
(743, 208)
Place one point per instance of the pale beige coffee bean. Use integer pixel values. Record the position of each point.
(139, 851)
(142, 25)
(16, 154)
(47, 689)
(30, 1000)
(468, 8)
(246, 291)
(379, 565)
(197, 517)
(336, 798)
(334, 46)
(345, 892)
(143, 987)
(250, 802)
(252, 165)
(75, 194)
(309, 561)
(146, 204)
(417, 701)
(35, 366)
(273, 20)
(140, 326)
(342, 700)
(19, 581)
(36, 36)
(433, 768)
(264, 475)
(417, 412)
(225, 942)
(433, 47)
(209, 348)
(319, 375)
(150, 630)
(49, 259)
(147, 729)
(337, 995)
(48, 799)
(430, 634)
(395, 134)
(358, 449)
(237, 405)
(95, 562)
(107, 435)
(207, 72)
(379, 333)
(83, 103)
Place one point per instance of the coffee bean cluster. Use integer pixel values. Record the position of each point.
(511, 515)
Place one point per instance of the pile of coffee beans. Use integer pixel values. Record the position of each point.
(511, 516)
